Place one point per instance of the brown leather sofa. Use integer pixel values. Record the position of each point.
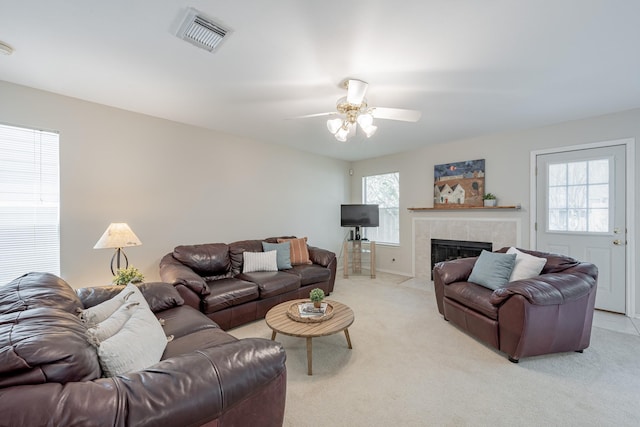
(50, 374)
(549, 313)
(209, 277)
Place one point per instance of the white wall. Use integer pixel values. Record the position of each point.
(173, 183)
(507, 175)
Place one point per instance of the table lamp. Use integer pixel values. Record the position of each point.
(117, 236)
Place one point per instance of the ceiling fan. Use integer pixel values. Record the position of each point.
(353, 109)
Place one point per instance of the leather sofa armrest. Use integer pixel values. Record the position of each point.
(320, 256)
(550, 289)
(188, 390)
(174, 272)
(457, 270)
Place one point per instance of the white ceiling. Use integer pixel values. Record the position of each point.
(472, 67)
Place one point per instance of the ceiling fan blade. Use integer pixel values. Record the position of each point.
(356, 90)
(315, 115)
(396, 114)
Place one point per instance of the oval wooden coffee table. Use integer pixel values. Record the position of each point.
(280, 322)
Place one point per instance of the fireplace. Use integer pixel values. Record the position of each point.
(445, 250)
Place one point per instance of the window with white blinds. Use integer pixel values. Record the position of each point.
(29, 202)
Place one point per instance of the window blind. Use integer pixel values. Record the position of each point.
(29, 202)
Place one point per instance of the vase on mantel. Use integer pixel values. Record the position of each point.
(490, 203)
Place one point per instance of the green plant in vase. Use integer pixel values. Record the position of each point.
(316, 295)
(126, 275)
(489, 199)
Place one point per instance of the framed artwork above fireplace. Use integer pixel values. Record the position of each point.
(459, 184)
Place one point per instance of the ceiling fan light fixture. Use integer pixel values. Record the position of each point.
(369, 131)
(365, 120)
(334, 125)
(342, 133)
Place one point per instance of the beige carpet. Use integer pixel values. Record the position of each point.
(409, 367)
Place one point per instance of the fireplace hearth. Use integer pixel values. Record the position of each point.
(446, 250)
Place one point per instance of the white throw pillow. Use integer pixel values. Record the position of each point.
(260, 261)
(109, 327)
(527, 266)
(101, 312)
(136, 346)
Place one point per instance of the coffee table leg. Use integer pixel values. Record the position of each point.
(346, 334)
(309, 356)
(273, 336)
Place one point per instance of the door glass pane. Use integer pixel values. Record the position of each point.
(599, 171)
(577, 173)
(599, 220)
(557, 175)
(579, 196)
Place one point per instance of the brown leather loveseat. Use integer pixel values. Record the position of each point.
(548, 313)
(50, 374)
(210, 278)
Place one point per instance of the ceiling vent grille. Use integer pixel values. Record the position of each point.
(202, 32)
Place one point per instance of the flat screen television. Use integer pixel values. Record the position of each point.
(359, 216)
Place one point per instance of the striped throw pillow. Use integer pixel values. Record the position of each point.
(260, 261)
(299, 251)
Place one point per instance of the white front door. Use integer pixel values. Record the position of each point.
(580, 212)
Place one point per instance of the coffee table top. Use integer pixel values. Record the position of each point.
(278, 320)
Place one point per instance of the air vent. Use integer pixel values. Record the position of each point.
(201, 31)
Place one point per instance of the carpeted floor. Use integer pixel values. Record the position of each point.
(409, 367)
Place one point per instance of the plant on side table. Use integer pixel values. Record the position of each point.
(316, 295)
(126, 275)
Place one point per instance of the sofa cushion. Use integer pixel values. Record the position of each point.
(226, 293)
(283, 253)
(260, 261)
(159, 295)
(273, 282)
(195, 341)
(299, 250)
(526, 266)
(183, 320)
(209, 259)
(310, 273)
(492, 270)
(472, 296)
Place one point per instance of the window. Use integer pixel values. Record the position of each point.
(579, 196)
(384, 190)
(29, 202)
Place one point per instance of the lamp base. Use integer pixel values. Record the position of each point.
(116, 257)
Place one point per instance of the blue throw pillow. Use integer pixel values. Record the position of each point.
(283, 253)
(492, 270)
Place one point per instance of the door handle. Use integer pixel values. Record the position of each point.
(618, 242)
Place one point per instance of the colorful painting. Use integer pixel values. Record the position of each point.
(459, 184)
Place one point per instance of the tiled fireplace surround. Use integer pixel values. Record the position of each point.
(500, 232)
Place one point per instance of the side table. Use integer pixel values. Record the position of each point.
(355, 253)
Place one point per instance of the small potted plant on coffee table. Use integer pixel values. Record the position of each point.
(316, 295)
(489, 199)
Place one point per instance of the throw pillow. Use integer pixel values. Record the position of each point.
(259, 261)
(492, 270)
(109, 327)
(526, 266)
(136, 346)
(299, 250)
(101, 312)
(283, 251)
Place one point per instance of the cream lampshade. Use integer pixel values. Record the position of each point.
(117, 236)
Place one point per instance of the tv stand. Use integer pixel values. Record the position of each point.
(356, 253)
